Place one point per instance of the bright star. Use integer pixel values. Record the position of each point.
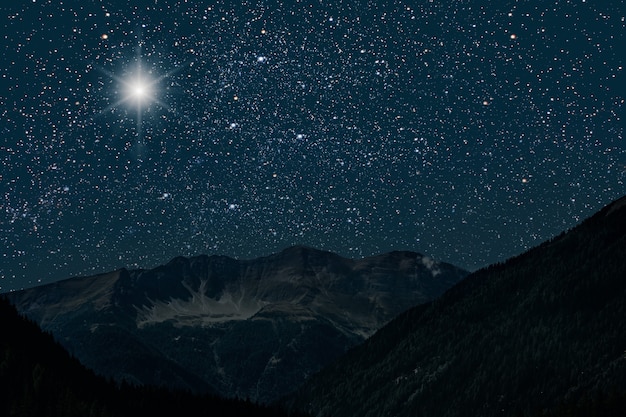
(139, 89)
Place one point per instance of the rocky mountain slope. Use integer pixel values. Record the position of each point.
(251, 329)
(542, 334)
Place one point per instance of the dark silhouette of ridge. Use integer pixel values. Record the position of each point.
(540, 334)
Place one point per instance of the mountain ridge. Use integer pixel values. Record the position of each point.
(247, 328)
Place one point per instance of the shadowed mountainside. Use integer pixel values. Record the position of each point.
(39, 378)
(542, 333)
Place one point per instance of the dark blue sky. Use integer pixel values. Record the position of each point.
(465, 130)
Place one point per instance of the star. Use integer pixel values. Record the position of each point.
(139, 89)
(138, 86)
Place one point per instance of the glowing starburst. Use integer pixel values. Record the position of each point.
(139, 89)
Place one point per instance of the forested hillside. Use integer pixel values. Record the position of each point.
(543, 333)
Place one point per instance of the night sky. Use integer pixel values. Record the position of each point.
(465, 130)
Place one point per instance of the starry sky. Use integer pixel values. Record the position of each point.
(133, 132)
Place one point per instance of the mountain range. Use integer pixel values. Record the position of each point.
(542, 334)
(252, 329)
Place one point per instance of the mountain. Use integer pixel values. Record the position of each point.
(241, 328)
(39, 378)
(541, 334)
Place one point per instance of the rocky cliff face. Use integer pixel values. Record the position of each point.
(255, 328)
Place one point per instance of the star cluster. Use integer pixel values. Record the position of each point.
(468, 130)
